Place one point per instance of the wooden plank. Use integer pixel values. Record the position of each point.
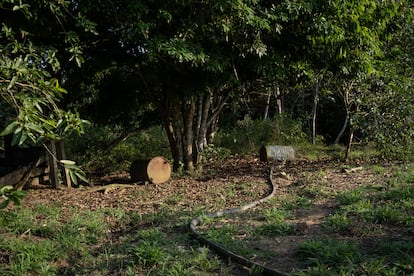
(13, 177)
(61, 155)
(53, 166)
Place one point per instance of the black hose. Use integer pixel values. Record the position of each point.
(228, 254)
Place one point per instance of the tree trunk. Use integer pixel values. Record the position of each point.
(178, 128)
(266, 113)
(341, 132)
(345, 97)
(314, 109)
(212, 131)
(278, 100)
(173, 145)
(202, 128)
(190, 126)
(172, 124)
(350, 139)
(188, 112)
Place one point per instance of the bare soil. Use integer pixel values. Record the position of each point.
(208, 188)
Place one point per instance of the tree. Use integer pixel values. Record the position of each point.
(32, 36)
(344, 39)
(386, 114)
(182, 62)
(191, 58)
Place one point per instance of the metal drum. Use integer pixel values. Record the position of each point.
(277, 153)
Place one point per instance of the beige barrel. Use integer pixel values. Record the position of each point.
(156, 170)
(277, 153)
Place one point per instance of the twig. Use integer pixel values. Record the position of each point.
(109, 187)
(25, 232)
(352, 169)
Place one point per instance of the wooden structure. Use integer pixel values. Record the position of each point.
(58, 174)
(155, 170)
(21, 165)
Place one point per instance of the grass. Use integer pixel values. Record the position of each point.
(337, 222)
(330, 252)
(52, 240)
(44, 241)
(380, 214)
(36, 239)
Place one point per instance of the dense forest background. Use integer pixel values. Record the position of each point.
(310, 71)
(206, 84)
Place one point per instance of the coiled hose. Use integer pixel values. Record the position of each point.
(221, 250)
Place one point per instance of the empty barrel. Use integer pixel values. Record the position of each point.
(277, 153)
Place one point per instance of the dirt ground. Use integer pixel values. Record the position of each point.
(186, 192)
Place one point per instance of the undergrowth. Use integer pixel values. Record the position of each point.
(50, 240)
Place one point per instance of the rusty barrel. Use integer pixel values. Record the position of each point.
(277, 153)
(156, 170)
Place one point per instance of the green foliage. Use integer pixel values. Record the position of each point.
(150, 142)
(74, 171)
(164, 52)
(8, 194)
(276, 229)
(30, 72)
(275, 224)
(275, 215)
(350, 197)
(386, 116)
(385, 111)
(55, 239)
(249, 135)
(329, 252)
(148, 254)
(390, 204)
(356, 54)
(30, 257)
(215, 153)
(296, 202)
(396, 250)
(49, 236)
(93, 151)
(30, 89)
(90, 151)
(183, 51)
(337, 222)
(388, 258)
(224, 236)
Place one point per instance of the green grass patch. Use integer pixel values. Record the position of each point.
(47, 241)
(368, 233)
(337, 222)
(329, 251)
(42, 236)
(296, 202)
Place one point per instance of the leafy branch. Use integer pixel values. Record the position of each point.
(9, 194)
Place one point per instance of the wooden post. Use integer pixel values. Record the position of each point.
(53, 166)
(61, 155)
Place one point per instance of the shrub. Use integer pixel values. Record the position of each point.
(249, 135)
(93, 152)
